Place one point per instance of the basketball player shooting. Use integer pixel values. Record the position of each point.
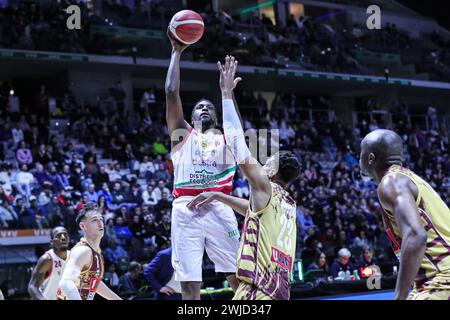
(267, 249)
(202, 162)
(82, 277)
(50, 267)
(416, 219)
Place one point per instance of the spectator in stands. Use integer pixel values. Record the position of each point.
(114, 172)
(5, 177)
(33, 218)
(160, 274)
(117, 194)
(53, 178)
(43, 156)
(123, 233)
(8, 217)
(102, 205)
(17, 136)
(158, 147)
(101, 176)
(310, 251)
(110, 277)
(84, 201)
(342, 263)
(5, 197)
(147, 196)
(104, 191)
(145, 167)
(304, 218)
(40, 174)
(367, 259)
(91, 193)
(64, 178)
(45, 195)
(164, 203)
(131, 281)
(23, 154)
(76, 161)
(54, 212)
(134, 195)
(157, 192)
(320, 263)
(115, 253)
(110, 232)
(24, 181)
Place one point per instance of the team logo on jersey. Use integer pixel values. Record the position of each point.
(204, 145)
(281, 258)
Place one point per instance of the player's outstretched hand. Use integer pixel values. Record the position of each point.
(202, 199)
(227, 72)
(177, 45)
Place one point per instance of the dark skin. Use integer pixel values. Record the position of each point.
(60, 244)
(397, 194)
(204, 117)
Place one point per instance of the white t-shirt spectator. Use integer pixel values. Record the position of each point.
(43, 199)
(145, 167)
(113, 174)
(5, 181)
(148, 198)
(157, 193)
(24, 178)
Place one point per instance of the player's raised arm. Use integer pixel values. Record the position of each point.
(43, 266)
(79, 257)
(237, 204)
(174, 109)
(396, 195)
(234, 134)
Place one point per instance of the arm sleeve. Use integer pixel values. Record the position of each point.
(67, 282)
(234, 133)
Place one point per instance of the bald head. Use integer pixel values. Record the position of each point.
(379, 150)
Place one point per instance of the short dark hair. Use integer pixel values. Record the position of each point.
(288, 166)
(134, 266)
(85, 211)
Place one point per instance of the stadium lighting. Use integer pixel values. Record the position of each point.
(258, 6)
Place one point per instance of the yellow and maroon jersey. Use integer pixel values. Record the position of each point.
(89, 279)
(267, 250)
(435, 217)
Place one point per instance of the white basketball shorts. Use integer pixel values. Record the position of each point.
(212, 227)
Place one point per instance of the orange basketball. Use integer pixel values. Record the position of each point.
(187, 26)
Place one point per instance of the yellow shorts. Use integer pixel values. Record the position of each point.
(437, 288)
(246, 291)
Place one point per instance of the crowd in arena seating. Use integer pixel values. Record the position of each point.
(303, 43)
(45, 180)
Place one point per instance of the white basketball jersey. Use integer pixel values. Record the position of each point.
(50, 285)
(202, 162)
